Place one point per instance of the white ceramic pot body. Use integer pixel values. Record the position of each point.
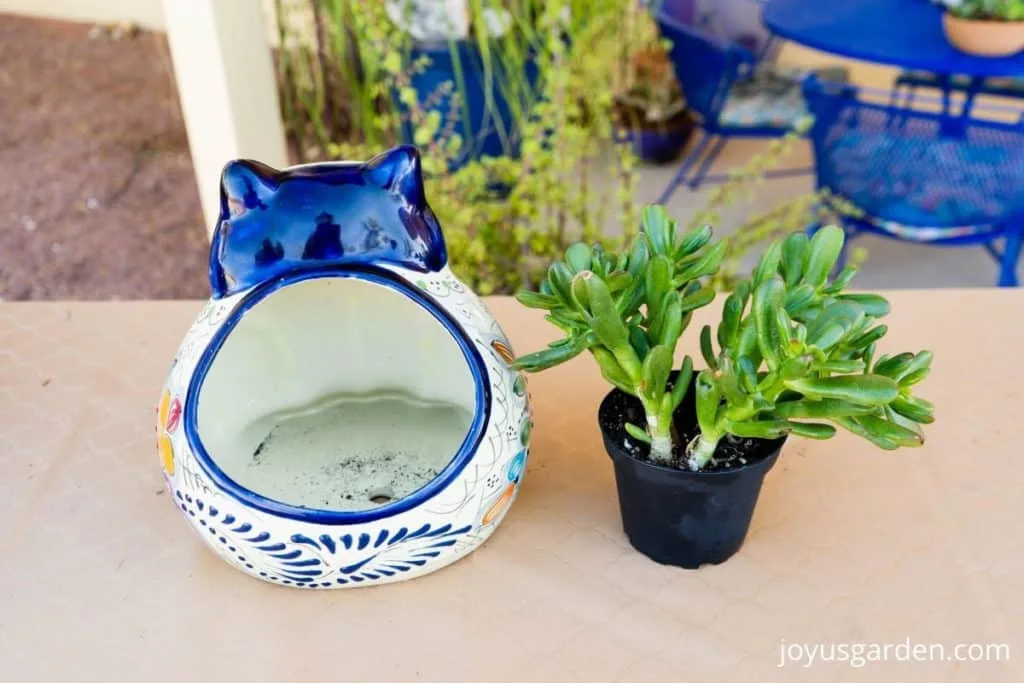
(302, 311)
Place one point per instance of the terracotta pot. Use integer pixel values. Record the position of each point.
(984, 38)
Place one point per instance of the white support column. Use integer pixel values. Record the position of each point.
(227, 87)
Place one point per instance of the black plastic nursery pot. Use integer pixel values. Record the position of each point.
(676, 516)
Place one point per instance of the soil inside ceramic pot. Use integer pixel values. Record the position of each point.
(349, 452)
(731, 453)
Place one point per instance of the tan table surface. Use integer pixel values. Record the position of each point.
(101, 580)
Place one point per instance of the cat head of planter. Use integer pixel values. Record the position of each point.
(342, 412)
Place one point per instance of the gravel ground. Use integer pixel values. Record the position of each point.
(97, 196)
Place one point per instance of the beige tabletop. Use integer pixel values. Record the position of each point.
(907, 555)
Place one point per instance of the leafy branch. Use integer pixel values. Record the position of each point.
(797, 355)
(629, 311)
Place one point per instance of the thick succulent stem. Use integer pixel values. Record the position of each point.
(661, 449)
(660, 431)
(700, 450)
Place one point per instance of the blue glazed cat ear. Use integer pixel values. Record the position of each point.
(245, 185)
(399, 170)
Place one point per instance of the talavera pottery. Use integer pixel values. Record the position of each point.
(342, 412)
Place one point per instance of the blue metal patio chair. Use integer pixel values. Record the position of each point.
(918, 175)
(730, 96)
(731, 21)
(907, 84)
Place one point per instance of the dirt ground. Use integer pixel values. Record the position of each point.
(97, 196)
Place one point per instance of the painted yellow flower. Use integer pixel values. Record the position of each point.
(168, 418)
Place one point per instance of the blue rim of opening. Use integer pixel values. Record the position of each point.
(364, 273)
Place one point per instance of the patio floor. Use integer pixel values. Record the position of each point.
(98, 200)
(97, 196)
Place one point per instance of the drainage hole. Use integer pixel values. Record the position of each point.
(382, 495)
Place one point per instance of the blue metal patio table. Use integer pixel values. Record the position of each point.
(902, 33)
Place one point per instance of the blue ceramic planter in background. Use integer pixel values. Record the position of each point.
(660, 146)
(479, 123)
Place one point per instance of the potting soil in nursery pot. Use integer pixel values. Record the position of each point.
(342, 411)
(671, 514)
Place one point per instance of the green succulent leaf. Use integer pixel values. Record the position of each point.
(638, 257)
(617, 282)
(705, 348)
(868, 338)
(768, 265)
(708, 397)
(921, 361)
(612, 372)
(820, 409)
(795, 250)
(759, 429)
(706, 264)
(871, 390)
(550, 357)
(672, 321)
(890, 431)
(842, 280)
(682, 383)
(826, 245)
(536, 300)
(630, 299)
(795, 368)
(798, 298)
(637, 433)
(910, 379)
(579, 257)
(893, 366)
(746, 345)
(658, 228)
(873, 304)
(730, 385)
(561, 280)
(729, 326)
(917, 409)
(826, 337)
(841, 366)
(847, 315)
(639, 341)
(578, 290)
(604, 319)
(656, 369)
(768, 299)
(747, 373)
(699, 299)
(854, 426)
(658, 279)
(813, 430)
(692, 242)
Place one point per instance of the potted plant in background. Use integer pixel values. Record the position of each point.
(987, 28)
(470, 68)
(652, 108)
(796, 354)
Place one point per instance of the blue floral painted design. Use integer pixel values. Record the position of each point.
(516, 466)
(299, 560)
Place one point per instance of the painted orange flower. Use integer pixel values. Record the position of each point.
(168, 419)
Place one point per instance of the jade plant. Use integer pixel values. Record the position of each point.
(797, 353)
(986, 10)
(629, 311)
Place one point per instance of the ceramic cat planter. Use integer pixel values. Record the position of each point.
(342, 412)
